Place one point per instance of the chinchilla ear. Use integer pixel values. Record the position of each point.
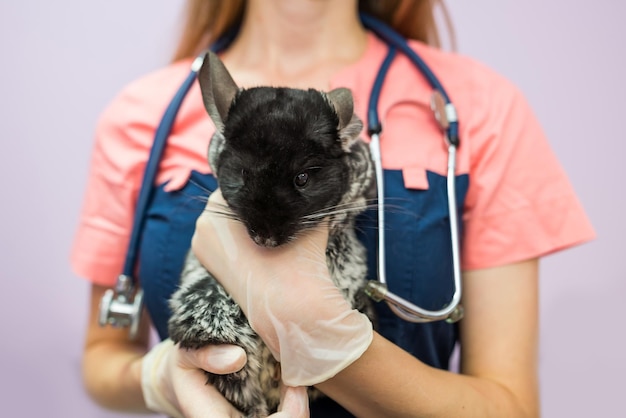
(218, 89)
(350, 125)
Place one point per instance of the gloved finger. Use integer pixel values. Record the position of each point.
(294, 403)
(216, 203)
(217, 198)
(216, 235)
(199, 400)
(217, 359)
(172, 381)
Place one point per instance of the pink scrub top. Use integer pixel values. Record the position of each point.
(518, 205)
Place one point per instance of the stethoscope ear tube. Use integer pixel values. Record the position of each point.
(122, 306)
(445, 114)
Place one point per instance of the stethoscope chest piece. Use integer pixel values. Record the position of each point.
(122, 306)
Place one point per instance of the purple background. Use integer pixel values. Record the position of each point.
(62, 61)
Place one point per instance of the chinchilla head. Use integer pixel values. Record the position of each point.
(281, 155)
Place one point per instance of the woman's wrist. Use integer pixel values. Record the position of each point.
(112, 376)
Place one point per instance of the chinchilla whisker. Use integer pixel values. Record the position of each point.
(306, 226)
(223, 211)
(203, 199)
(393, 205)
(313, 223)
(227, 215)
(201, 187)
(334, 210)
(199, 198)
(395, 209)
(362, 227)
(365, 225)
(357, 208)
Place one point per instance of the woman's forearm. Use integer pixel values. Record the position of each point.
(499, 338)
(112, 375)
(112, 362)
(401, 386)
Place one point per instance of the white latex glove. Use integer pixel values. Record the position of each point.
(287, 295)
(174, 384)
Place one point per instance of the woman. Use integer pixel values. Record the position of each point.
(517, 206)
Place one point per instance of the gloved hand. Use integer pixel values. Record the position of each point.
(173, 383)
(287, 295)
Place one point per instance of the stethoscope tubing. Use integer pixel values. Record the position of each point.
(378, 290)
(123, 309)
(154, 159)
(156, 152)
(393, 38)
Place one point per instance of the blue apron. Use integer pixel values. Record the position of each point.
(418, 260)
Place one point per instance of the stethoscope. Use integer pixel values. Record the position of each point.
(121, 306)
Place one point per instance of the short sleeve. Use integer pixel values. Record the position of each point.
(122, 141)
(520, 203)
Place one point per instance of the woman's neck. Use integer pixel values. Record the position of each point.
(296, 43)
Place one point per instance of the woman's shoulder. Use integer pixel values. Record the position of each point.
(474, 88)
(145, 98)
(457, 69)
(128, 122)
(481, 95)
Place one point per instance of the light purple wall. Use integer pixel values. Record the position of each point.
(62, 61)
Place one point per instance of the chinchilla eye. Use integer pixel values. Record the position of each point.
(301, 179)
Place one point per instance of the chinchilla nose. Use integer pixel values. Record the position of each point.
(263, 237)
(265, 241)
